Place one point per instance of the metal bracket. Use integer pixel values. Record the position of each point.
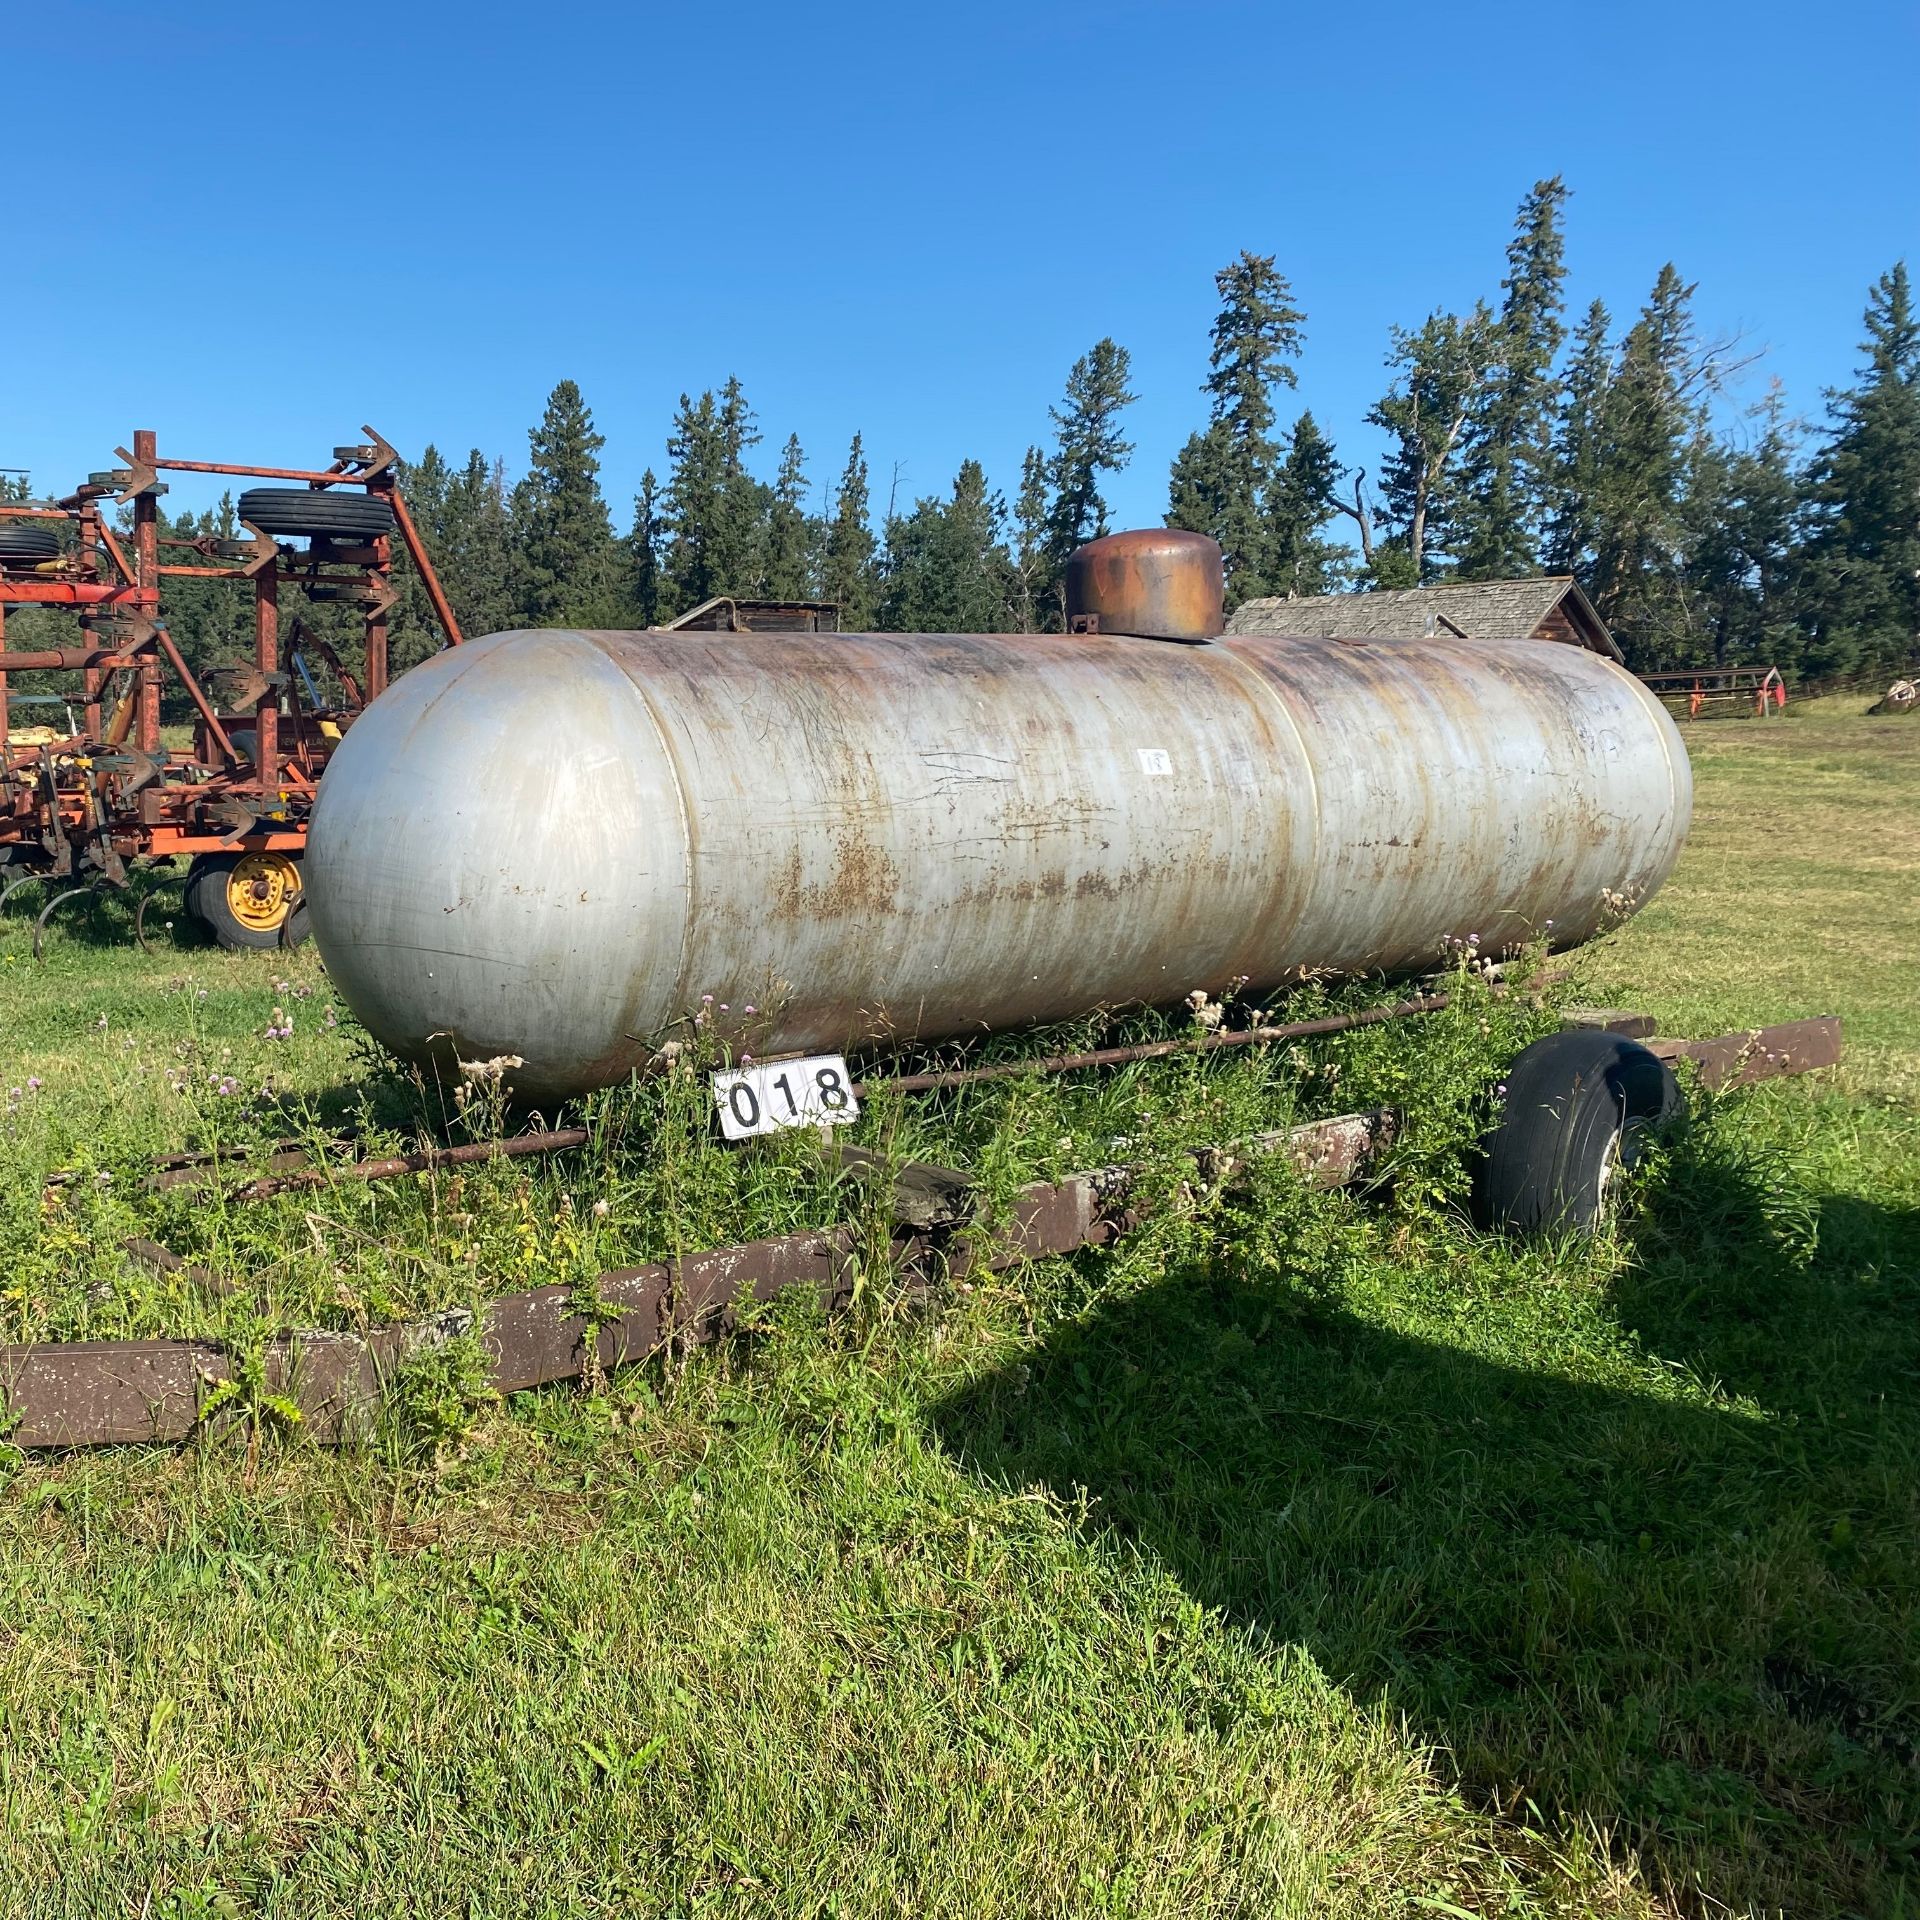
(136, 478)
(247, 686)
(263, 547)
(383, 455)
(142, 771)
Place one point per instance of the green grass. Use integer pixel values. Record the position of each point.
(1313, 1555)
(1799, 892)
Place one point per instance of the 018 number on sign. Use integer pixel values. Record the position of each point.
(814, 1092)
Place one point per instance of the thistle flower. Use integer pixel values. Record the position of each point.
(493, 1070)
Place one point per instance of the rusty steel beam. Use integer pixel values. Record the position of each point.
(1763, 1053)
(422, 565)
(116, 553)
(333, 477)
(1621, 1020)
(516, 1146)
(98, 1392)
(74, 593)
(1193, 1043)
(95, 1392)
(67, 659)
(1154, 1049)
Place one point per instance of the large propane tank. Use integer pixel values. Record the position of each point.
(553, 844)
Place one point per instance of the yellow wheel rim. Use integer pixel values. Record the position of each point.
(260, 889)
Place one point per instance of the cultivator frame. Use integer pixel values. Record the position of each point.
(96, 791)
(1719, 691)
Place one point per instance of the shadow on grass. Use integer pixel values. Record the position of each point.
(1692, 1624)
(102, 916)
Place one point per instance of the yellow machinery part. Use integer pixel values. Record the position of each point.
(261, 889)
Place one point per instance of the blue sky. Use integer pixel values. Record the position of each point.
(908, 220)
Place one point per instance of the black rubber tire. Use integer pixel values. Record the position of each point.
(335, 513)
(1576, 1104)
(196, 872)
(296, 929)
(206, 900)
(21, 540)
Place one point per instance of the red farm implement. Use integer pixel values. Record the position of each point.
(1697, 693)
(93, 790)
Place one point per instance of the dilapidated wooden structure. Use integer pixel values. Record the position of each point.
(1548, 607)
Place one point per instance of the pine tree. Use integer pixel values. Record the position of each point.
(1439, 372)
(947, 567)
(643, 552)
(1863, 553)
(741, 530)
(424, 485)
(564, 537)
(1648, 423)
(478, 572)
(1766, 531)
(1740, 521)
(1033, 584)
(714, 513)
(690, 506)
(1087, 443)
(1507, 461)
(1299, 502)
(789, 547)
(1392, 568)
(1221, 477)
(848, 567)
(1206, 494)
(1575, 471)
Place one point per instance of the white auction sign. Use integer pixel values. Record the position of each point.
(814, 1092)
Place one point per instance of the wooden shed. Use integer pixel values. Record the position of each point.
(1547, 607)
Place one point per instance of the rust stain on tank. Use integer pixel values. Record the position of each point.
(788, 894)
(865, 880)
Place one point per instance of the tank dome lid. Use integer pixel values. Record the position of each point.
(1160, 583)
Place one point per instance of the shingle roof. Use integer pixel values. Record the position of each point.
(1471, 609)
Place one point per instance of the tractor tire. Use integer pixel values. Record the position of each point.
(245, 898)
(21, 540)
(1579, 1107)
(331, 513)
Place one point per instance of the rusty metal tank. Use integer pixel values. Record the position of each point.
(554, 843)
